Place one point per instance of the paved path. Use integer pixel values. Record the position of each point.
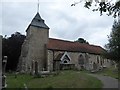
(108, 82)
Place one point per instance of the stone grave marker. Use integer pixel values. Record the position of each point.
(4, 85)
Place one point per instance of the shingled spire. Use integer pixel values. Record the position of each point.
(38, 22)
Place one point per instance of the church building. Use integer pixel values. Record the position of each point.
(54, 54)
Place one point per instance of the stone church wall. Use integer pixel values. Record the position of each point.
(50, 60)
(88, 64)
(34, 47)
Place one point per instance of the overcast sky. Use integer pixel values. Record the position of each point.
(65, 22)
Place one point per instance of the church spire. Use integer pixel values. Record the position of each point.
(37, 21)
(38, 7)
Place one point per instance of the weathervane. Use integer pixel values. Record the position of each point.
(38, 7)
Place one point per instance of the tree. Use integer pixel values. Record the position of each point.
(81, 40)
(106, 6)
(11, 47)
(114, 42)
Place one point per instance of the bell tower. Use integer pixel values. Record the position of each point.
(34, 46)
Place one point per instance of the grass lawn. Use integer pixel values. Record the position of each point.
(110, 72)
(65, 79)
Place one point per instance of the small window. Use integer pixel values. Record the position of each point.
(38, 20)
(81, 59)
(97, 59)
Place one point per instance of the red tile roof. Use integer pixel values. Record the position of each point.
(62, 45)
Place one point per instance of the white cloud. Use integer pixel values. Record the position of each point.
(65, 22)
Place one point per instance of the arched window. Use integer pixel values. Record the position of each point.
(97, 59)
(87, 56)
(81, 59)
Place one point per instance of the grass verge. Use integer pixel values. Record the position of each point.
(66, 79)
(112, 72)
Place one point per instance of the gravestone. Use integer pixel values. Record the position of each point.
(4, 85)
(4, 64)
(25, 87)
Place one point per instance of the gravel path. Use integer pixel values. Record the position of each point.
(108, 82)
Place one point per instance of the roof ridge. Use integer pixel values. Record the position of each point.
(64, 45)
(37, 21)
(37, 16)
(61, 40)
(75, 42)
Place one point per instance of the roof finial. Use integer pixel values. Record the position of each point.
(38, 7)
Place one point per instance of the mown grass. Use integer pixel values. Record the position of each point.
(111, 71)
(65, 79)
(19, 81)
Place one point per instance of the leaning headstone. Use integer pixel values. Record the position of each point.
(4, 64)
(16, 74)
(25, 87)
(4, 85)
(36, 69)
(94, 67)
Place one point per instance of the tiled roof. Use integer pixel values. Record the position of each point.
(62, 45)
(38, 22)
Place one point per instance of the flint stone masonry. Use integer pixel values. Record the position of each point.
(33, 47)
(88, 63)
(38, 47)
